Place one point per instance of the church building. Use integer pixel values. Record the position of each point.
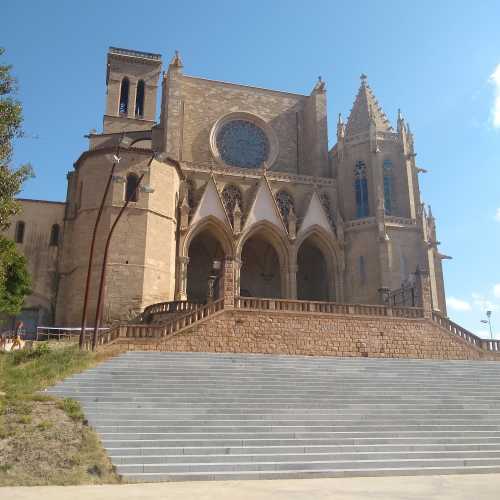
(229, 178)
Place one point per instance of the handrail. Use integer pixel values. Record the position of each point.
(310, 306)
(61, 333)
(142, 331)
(486, 344)
(166, 308)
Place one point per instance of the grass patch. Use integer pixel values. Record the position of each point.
(44, 440)
(72, 408)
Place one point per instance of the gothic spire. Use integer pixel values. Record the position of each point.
(365, 111)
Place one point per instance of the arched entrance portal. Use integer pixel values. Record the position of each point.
(204, 251)
(260, 274)
(312, 274)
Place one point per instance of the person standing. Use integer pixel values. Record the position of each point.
(18, 336)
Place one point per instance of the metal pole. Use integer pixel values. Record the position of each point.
(91, 255)
(488, 313)
(104, 262)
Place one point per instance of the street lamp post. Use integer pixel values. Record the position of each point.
(124, 143)
(488, 322)
(106, 250)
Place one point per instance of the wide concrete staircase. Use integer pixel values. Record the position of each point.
(197, 416)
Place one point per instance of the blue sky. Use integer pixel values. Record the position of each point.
(436, 60)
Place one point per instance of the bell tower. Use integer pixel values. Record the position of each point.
(132, 83)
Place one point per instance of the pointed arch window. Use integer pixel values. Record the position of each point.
(231, 196)
(285, 204)
(139, 99)
(20, 227)
(54, 235)
(131, 187)
(361, 190)
(388, 187)
(124, 89)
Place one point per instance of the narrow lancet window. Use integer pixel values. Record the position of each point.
(54, 235)
(131, 188)
(139, 99)
(123, 109)
(20, 231)
(388, 187)
(361, 190)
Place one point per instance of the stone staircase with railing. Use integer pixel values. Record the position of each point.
(202, 416)
(161, 322)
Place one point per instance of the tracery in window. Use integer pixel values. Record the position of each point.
(361, 190)
(231, 196)
(285, 204)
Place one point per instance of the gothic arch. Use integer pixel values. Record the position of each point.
(214, 226)
(332, 254)
(269, 233)
(205, 244)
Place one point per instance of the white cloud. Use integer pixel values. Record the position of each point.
(483, 303)
(497, 215)
(496, 290)
(495, 110)
(458, 304)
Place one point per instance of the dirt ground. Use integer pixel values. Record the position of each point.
(46, 446)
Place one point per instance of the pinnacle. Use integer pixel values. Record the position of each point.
(176, 61)
(366, 110)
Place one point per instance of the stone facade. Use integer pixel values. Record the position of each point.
(301, 222)
(315, 334)
(38, 231)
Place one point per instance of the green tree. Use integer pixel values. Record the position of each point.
(15, 281)
(14, 277)
(11, 118)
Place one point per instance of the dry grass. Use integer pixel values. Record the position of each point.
(44, 440)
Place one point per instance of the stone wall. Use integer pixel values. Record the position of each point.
(322, 335)
(42, 256)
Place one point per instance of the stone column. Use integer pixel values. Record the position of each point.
(228, 288)
(292, 280)
(182, 264)
(132, 94)
(237, 276)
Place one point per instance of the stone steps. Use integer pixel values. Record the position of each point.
(199, 416)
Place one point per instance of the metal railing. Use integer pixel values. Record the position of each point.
(63, 334)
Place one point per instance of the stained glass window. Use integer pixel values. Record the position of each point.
(242, 144)
(361, 190)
